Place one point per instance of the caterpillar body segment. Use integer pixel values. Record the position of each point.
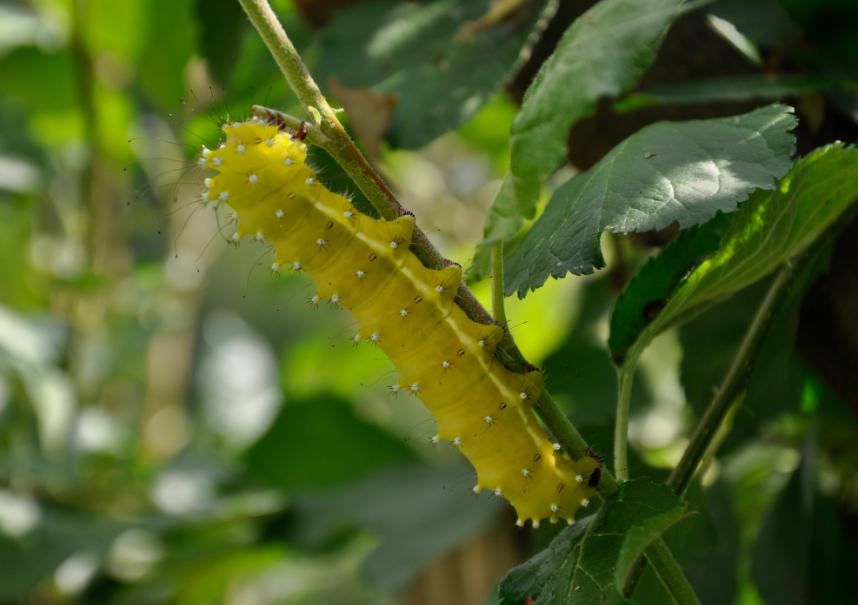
(408, 310)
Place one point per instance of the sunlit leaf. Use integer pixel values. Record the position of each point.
(769, 229)
(666, 173)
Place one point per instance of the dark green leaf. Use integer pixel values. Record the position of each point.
(114, 27)
(417, 513)
(29, 559)
(647, 293)
(425, 55)
(712, 572)
(603, 53)
(769, 229)
(668, 172)
(764, 21)
(54, 114)
(780, 557)
(319, 442)
(168, 47)
(729, 89)
(586, 562)
(221, 27)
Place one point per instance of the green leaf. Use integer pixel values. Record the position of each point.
(668, 172)
(603, 53)
(708, 544)
(319, 442)
(647, 293)
(729, 89)
(586, 563)
(30, 559)
(114, 27)
(221, 27)
(769, 229)
(780, 562)
(424, 54)
(417, 513)
(53, 110)
(168, 46)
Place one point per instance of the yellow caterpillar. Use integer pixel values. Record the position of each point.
(407, 309)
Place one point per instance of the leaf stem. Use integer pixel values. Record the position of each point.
(625, 378)
(728, 394)
(731, 386)
(670, 574)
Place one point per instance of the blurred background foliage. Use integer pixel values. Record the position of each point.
(179, 426)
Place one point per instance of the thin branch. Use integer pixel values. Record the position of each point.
(625, 378)
(732, 384)
(728, 395)
(670, 574)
